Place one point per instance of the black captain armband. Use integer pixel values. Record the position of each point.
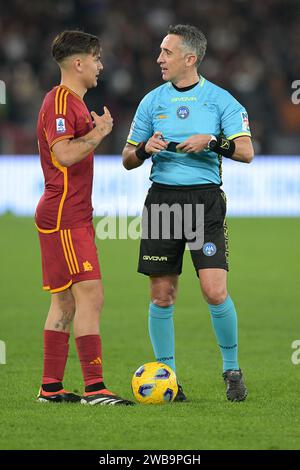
(222, 146)
(141, 152)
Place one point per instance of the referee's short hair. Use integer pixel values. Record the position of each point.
(192, 39)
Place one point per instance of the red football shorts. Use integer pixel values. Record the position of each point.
(68, 256)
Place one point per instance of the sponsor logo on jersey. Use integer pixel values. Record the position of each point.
(183, 112)
(60, 125)
(209, 249)
(183, 98)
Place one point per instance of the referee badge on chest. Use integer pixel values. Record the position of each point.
(183, 112)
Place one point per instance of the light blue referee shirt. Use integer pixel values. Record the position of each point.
(204, 109)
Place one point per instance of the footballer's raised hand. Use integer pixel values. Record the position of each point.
(156, 143)
(103, 123)
(195, 143)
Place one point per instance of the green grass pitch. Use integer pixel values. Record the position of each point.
(264, 283)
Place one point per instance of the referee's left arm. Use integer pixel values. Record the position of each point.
(244, 151)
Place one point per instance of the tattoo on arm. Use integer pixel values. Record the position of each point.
(92, 141)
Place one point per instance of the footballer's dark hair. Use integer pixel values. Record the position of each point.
(192, 38)
(68, 43)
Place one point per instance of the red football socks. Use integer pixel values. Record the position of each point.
(56, 349)
(90, 356)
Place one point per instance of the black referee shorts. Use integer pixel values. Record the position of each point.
(161, 255)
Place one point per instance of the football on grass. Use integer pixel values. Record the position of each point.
(154, 383)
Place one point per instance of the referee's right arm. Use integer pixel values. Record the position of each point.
(135, 155)
(130, 159)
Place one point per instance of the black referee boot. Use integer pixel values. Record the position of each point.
(180, 395)
(235, 388)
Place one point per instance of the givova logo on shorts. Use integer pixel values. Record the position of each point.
(155, 258)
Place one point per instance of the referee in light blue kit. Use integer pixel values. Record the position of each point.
(186, 126)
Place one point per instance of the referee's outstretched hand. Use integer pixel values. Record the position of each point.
(156, 143)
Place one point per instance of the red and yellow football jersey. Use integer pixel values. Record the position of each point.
(66, 202)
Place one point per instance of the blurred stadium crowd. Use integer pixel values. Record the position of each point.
(253, 51)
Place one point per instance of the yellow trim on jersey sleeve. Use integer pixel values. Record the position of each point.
(240, 134)
(132, 142)
(59, 289)
(63, 137)
(46, 287)
(61, 109)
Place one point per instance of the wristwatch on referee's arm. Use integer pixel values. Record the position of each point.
(221, 146)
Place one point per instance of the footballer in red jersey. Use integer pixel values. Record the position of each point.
(64, 213)
(67, 136)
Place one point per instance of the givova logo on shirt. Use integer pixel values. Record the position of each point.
(60, 125)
